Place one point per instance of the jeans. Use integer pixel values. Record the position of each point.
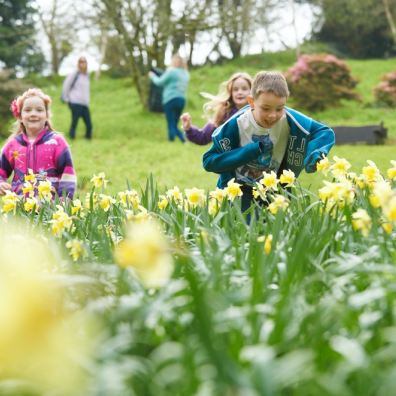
(78, 111)
(173, 110)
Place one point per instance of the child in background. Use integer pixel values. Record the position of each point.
(266, 136)
(35, 147)
(232, 96)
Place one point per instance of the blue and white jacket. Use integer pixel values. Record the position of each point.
(308, 142)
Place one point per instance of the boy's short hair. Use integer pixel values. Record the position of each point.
(270, 81)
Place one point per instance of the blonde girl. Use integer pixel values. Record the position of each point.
(35, 149)
(232, 96)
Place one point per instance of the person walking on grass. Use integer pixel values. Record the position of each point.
(174, 83)
(232, 96)
(76, 93)
(266, 136)
(35, 150)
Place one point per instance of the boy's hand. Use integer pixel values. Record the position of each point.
(186, 121)
(4, 186)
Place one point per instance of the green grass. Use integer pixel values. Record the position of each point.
(130, 143)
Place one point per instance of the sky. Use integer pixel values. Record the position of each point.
(282, 34)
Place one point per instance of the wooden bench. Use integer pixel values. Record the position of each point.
(367, 134)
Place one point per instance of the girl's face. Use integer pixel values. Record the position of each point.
(239, 92)
(34, 115)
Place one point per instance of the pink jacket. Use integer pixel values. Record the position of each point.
(48, 156)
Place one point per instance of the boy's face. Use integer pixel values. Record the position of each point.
(267, 108)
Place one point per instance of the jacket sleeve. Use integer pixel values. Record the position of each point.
(68, 179)
(201, 136)
(6, 165)
(322, 140)
(226, 155)
(162, 79)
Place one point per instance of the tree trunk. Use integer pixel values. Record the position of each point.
(390, 19)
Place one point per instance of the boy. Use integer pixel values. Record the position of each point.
(266, 136)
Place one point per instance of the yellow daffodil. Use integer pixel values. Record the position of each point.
(288, 178)
(269, 181)
(99, 180)
(162, 202)
(60, 221)
(387, 227)
(129, 198)
(145, 250)
(45, 190)
(10, 200)
(76, 248)
(267, 243)
(195, 197)
(389, 210)
(391, 172)
(279, 202)
(30, 204)
(30, 177)
(174, 194)
(340, 167)
(361, 221)
(76, 207)
(370, 172)
(219, 195)
(105, 202)
(233, 190)
(28, 189)
(323, 165)
(213, 206)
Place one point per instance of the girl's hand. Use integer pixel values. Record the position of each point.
(4, 186)
(151, 74)
(186, 121)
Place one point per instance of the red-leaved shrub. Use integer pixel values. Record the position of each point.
(320, 81)
(385, 91)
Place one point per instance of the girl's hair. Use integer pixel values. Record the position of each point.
(178, 61)
(270, 81)
(18, 103)
(222, 103)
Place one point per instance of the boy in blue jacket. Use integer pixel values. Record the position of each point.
(266, 136)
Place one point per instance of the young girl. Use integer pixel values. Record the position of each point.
(232, 96)
(35, 147)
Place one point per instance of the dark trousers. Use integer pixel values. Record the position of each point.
(78, 111)
(173, 110)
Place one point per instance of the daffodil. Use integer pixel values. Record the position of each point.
(287, 178)
(340, 167)
(323, 165)
(129, 198)
(267, 243)
(361, 221)
(174, 194)
(269, 180)
(391, 172)
(389, 210)
(233, 190)
(30, 177)
(219, 195)
(370, 172)
(45, 190)
(145, 250)
(162, 202)
(28, 189)
(279, 202)
(60, 221)
(99, 180)
(105, 202)
(76, 207)
(10, 200)
(195, 197)
(30, 204)
(76, 248)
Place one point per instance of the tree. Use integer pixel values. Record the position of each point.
(18, 49)
(59, 25)
(357, 28)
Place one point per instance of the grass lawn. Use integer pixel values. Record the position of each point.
(130, 143)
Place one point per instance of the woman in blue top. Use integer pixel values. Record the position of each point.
(174, 83)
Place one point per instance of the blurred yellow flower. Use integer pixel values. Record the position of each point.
(76, 207)
(30, 177)
(45, 190)
(28, 189)
(99, 180)
(391, 172)
(174, 194)
(213, 206)
(387, 227)
(105, 202)
(129, 198)
(60, 221)
(361, 221)
(269, 180)
(279, 202)
(76, 248)
(233, 190)
(267, 243)
(145, 250)
(195, 197)
(323, 165)
(390, 210)
(288, 178)
(370, 172)
(340, 167)
(10, 200)
(30, 204)
(163, 202)
(219, 194)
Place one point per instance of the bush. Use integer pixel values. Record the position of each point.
(320, 81)
(385, 91)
